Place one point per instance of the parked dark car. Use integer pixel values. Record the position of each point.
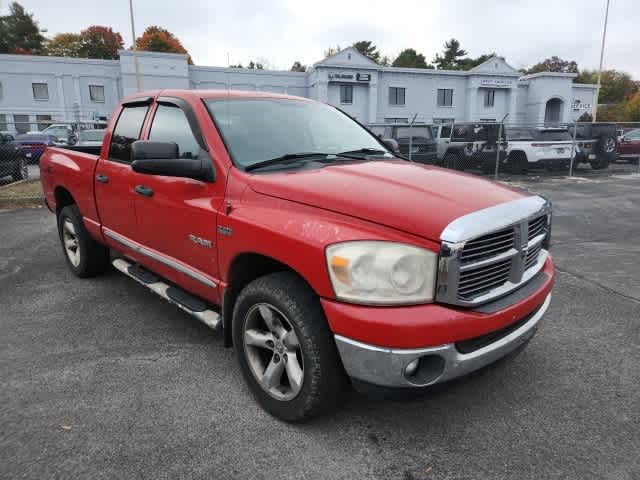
(12, 160)
(417, 139)
(597, 144)
(33, 144)
(629, 146)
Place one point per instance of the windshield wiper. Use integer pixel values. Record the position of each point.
(363, 151)
(285, 159)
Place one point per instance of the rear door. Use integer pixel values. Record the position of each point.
(177, 216)
(114, 177)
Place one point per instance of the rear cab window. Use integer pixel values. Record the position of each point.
(127, 131)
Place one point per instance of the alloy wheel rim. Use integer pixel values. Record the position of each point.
(71, 245)
(610, 145)
(273, 351)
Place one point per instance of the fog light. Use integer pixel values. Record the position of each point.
(411, 367)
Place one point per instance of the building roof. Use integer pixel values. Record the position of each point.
(349, 57)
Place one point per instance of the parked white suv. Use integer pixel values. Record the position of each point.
(541, 146)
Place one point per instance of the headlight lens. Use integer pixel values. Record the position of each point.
(382, 273)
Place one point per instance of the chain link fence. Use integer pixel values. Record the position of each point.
(504, 150)
(22, 144)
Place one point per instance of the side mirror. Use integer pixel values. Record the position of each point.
(162, 158)
(391, 144)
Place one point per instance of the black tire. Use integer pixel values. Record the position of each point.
(21, 171)
(452, 160)
(606, 148)
(599, 164)
(518, 162)
(324, 380)
(93, 258)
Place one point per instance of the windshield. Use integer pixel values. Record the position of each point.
(91, 135)
(258, 129)
(418, 133)
(553, 135)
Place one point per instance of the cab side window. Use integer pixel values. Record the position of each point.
(126, 132)
(445, 132)
(170, 124)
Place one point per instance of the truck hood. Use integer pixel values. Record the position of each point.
(418, 199)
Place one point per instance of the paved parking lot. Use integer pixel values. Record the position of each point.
(100, 379)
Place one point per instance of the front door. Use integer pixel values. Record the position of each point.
(177, 216)
(629, 146)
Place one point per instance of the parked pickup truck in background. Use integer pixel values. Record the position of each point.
(295, 230)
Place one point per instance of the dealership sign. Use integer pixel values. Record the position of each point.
(496, 83)
(578, 105)
(358, 77)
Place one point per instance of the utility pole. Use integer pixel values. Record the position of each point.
(135, 49)
(604, 36)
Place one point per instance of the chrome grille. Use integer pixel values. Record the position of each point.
(481, 280)
(484, 266)
(488, 245)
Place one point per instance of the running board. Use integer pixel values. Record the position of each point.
(183, 300)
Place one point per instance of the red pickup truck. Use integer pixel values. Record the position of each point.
(320, 255)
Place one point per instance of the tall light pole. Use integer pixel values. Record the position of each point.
(604, 36)
(135, 49)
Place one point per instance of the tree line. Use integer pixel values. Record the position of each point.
(20, 33)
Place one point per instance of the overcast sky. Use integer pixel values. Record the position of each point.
(282, 31)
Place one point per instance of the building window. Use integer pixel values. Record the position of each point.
(3, 122)
(1, 92)
(96, 93)
(489, 98)
(445, 97)
(43, 121)
(346, 94)
(443, 120)
(396, 120)
(21, 123)
(396, 95)
(40, 91)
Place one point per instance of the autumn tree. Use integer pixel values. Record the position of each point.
(409, 58)
(100, 42)
(554, 64)
(632, 108)
(19, 32)
(298, 67)
(451, 56)
(64, 45)
(331, 51)
(368, 49)
(158, 39)
(615, 86)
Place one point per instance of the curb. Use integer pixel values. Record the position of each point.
(13, 184)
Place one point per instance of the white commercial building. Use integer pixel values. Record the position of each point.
(43, 89)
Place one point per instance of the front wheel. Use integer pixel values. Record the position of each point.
(286, 352)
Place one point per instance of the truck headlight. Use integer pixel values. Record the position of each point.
(382, 273)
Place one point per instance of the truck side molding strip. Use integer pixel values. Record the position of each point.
(158, 257)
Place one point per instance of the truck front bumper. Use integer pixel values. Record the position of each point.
(419, 367)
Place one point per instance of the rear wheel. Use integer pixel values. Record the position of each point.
(85, 257)
(286, 352)
(599, 164)
(518, 162)
(21, 171)
(451, 160)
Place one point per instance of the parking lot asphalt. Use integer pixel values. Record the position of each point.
(101, 379)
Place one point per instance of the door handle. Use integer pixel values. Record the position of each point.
(144, 190)
(102, 178)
